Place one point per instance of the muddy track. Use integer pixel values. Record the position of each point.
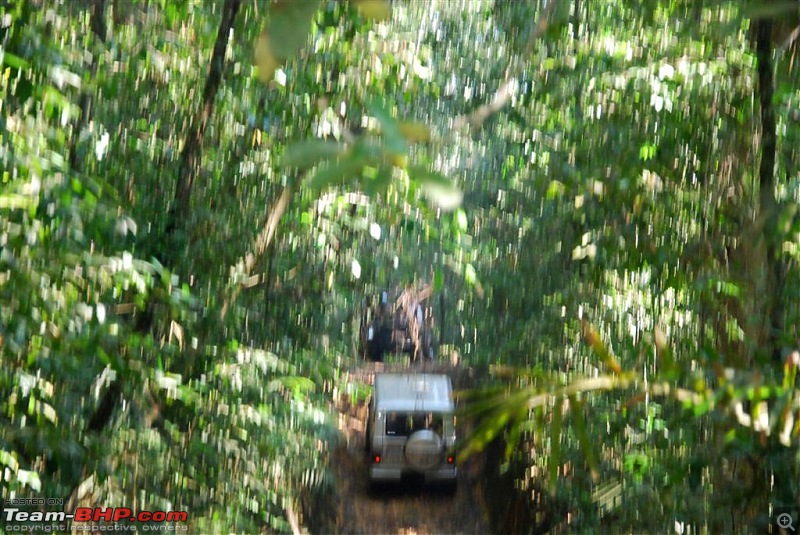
(408, 509)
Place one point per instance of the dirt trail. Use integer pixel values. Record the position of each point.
(399, 510)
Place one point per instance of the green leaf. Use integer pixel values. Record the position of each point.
(13, 201)
(647, 152)
(438, 280)
(297, 383)
(576, 409)
(636, 464)
(514, 434)
(335, 173)
(445, 196)
(286, 32)
(460, 220)
(415, 131)
(600, 348)
(470, 276)
(369, 149)
(494, 408)
(13, 61)
(308, 153)
(8, 460)
(374, 9)
(664, 354)
(390, 128)
(790, 368)
(289, 25)
(770, 10)
(378, 181)
(554, 190)
(436, 187)
(426, 177)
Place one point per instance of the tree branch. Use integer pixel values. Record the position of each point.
(509, 85)
(262, 242)
(190, 157)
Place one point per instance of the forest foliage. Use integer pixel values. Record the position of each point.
(198, 197)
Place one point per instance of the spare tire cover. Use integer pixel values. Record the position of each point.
(423, 450)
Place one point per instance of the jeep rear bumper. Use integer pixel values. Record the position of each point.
(384, 473)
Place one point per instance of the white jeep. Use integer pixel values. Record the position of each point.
(411, 428)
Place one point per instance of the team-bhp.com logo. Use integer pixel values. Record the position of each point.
(120, 519)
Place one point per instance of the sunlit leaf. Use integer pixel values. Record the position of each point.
(470, 276)
(426, 177)
(446, 198)
(377, 182)
(437, 188)
(516, 429)
(15, 202)
(338, 172)
(8, 460)
(555, 189)
(460, 220)
(586, 444)
(664, 353)
(308, 153)
(595, 341)
(647, 152)
(30, 479)
(14, 61)
(495, 408)
(390, 129)
(399, 160)
(375, 231)
(790, 367)
(637, 465)
(265, 59)
(374, 9)
(286, 32)
(297, 383)
(414, 131)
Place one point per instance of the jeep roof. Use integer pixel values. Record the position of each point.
(413, 392)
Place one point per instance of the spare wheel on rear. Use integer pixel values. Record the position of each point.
(423, 450)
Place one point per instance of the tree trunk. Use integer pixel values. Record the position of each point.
(192, 149)
(98, 25)
(768, 204)
(780, 473)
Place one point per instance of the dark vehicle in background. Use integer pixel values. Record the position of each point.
(400, 323)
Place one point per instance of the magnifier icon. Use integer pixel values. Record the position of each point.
(785, 521)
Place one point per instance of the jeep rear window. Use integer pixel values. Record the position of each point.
(402, 424)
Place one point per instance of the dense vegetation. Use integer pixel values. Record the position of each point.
(198, 197)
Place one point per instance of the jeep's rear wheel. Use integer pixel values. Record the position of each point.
(424, 450)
